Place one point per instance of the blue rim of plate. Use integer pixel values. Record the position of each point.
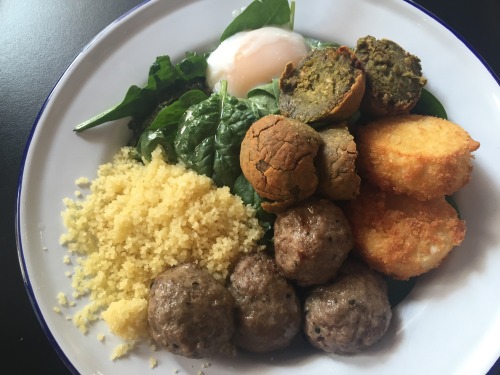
(459, 37)
(20, 252)
(19, 245)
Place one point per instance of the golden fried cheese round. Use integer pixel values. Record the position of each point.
(423, 156)
(401, 236)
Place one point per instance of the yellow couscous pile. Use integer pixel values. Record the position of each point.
(139, 220)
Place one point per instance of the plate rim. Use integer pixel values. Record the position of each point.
(81, 55)
(18, 236)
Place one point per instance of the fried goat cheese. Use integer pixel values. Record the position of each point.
(400, 235)
(422, 156)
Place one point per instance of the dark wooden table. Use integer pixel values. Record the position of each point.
(38, 40)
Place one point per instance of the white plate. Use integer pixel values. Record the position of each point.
(450, 323)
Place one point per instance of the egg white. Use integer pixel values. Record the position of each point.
(252, 58)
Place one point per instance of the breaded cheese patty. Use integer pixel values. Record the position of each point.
(422, 156)
(400, 235)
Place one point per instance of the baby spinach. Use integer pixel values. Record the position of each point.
(151, 139)
(319, 44)
(165, 80)
(163, 129)
(398, 290)
(171, 114)
(264, 99)
(258, 14)
(210, 134)
(429, 105)
(453, 203)
(249, 196)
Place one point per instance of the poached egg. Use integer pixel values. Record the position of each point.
(252, 58)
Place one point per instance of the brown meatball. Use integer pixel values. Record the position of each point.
(268, 311)
(189, 312)
(328, 84)
(311, 241)
(351, 313)
(394, 79)
(338, 179)
(277, 158)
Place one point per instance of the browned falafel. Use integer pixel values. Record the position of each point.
(338, 179)
(328, 84)
(277, 157)
(394, 78)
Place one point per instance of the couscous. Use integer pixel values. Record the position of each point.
(140, 219)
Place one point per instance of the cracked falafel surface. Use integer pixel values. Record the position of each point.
(277, 158)
(338, 178)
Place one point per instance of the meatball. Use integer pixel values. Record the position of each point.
(268, 313)
(277, 158)
(189, 312)
(394, 79)
(338, 179)
(311, 241)
(328, 84)
(351, 313)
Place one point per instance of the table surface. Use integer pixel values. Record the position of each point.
(38, 40)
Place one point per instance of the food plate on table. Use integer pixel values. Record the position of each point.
(450, 321)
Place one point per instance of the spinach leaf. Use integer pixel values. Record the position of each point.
(264, 99)
(453, 203)
(209, 137)
(151, 139)
(193, 66)
(245, 190)
(172, 113)
(258, 14)
(195, 137)
(319, 44)
(429, 105)
(163, 128)
(398, 290)
(165, 80)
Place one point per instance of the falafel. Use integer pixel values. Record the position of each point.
(394, 78)
(277, 157)
(338, 178)
(328, 84)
